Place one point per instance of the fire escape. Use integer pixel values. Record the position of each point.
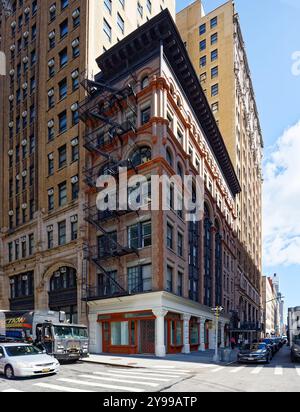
(5, 8)
(105, 135)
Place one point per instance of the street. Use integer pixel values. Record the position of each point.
(280, 376)
(83, 377)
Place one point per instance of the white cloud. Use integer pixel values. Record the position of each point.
(282, 200)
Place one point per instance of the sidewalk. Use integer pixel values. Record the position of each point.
(191, 361)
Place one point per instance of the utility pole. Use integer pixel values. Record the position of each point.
(217, 311)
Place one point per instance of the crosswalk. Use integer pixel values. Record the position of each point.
(111, 380)
(257, 370)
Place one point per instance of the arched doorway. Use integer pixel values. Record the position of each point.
(63, 292)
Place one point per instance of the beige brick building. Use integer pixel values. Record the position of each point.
(48, 45)
(215, 44)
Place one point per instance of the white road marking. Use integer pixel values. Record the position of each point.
(169, 369)
(238, 369)
(154, 385)
(133, 376)
(278, 371)
(158, 375)
(11, 390)
(100, 385)
(297, 370)
(59, 388)
(218, 369)
(257, 370)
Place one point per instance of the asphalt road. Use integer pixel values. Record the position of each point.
(280, 376)
(84, 377)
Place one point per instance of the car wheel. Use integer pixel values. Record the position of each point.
(9, 372)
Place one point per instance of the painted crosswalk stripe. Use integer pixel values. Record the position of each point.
(11, 390)
(102, 378)
(238, 369)
(158, 375)
(169, 368)
(278, 371)
(298, 370)
(257, 370)
(100, 385)
(218, 369)
(124, 375)
(59, 388)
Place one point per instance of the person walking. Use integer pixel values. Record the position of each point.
(233, 343)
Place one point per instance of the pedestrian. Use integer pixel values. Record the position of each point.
(233, 343)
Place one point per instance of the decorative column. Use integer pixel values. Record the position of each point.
(202, 334)
(186, 334)
(213, 266)
(160, 347)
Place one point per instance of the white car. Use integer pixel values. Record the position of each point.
(21, 360)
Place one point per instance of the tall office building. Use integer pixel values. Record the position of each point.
(216, 47)
(48, 45)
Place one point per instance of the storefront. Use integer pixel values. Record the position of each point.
(158, 323)
(194, 334)
(128, 333)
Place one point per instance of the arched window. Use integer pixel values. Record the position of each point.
(169, 157)
(218, 265)
(180, 171)
(145, 82)
(141, 156)
(207, 258)
(64, 278)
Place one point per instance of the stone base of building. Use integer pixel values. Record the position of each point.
(156, 323)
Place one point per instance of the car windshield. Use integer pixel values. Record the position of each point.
(80, 332)
(254, 347)
(15, 351)
(63, 331)
(268, 341)
(70, 332)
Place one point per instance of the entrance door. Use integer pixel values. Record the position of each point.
(105, 337)
(147, 336)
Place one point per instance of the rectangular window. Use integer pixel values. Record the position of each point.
(62, 233)
(62, 194)
(170, 238)
(169, 283)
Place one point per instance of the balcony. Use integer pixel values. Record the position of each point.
(101, 138)
(97, 218)
(106, 169)
(112, 287)
(103, 99)
(246, 327)
(22, 304)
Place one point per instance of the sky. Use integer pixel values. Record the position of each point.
(271, 32)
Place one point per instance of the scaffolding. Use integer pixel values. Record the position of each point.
(100, 111)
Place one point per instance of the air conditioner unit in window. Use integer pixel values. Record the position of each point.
(74, 219)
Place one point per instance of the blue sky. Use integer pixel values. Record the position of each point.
(272, 35)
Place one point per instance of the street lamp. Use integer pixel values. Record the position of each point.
(217, 311)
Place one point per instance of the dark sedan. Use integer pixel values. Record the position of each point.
(255, 353)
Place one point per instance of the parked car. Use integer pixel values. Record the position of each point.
(255, 353)
(20, 360)
(295, 350)
(271, 344)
